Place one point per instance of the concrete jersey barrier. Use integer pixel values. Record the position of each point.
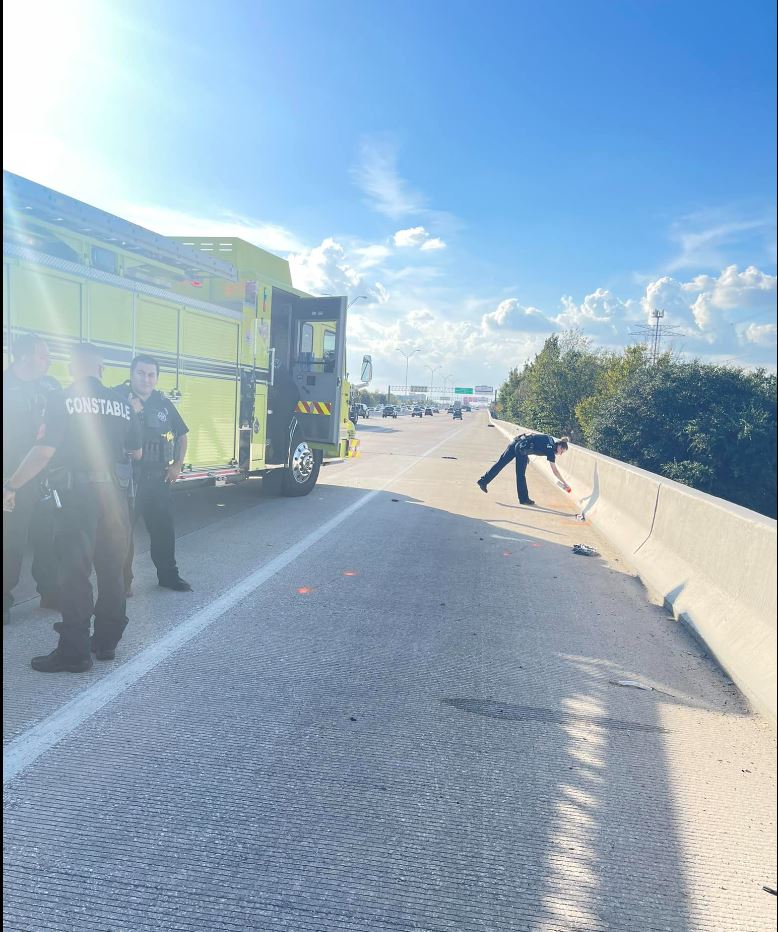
(712, 562)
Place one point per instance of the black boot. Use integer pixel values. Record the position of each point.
(481, 483)
(55, 662)
(176, 584)
(102, 653)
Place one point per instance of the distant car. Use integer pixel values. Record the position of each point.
(390, 411)
(428, 411)
(466, 408)
(364, 411)
(456, 414)
(450, 409)
(416, 411)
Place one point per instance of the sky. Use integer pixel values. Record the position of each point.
(472, 176)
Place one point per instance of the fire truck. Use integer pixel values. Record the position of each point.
(256, 367)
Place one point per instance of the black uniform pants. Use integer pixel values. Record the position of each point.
(93, 530)
(152, 502)
(31, 520)
(512, 452)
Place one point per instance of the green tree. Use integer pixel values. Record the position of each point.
(711, 427)
(545, 394)
(615, 371)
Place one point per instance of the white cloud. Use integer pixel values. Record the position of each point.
(414, 236)
(705, 239)
(418, 237)
(377, 175)
(760, 334)
(512, 316)
(420, 319)
(324, 269)
(732, 290)
(600, 313)
(332, 268)
(368, 257)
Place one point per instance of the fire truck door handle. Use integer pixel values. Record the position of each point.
(272, 365)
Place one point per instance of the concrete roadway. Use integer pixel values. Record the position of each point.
(387, 706)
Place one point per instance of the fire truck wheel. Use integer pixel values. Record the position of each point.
(301, 475)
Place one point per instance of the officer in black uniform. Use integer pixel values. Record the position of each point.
(25, 390)
(164, 449)
(520, 449)
(88, 433)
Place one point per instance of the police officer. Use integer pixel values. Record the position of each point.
(88, 433)
(520, 449)
(164, 449)
(25, 390)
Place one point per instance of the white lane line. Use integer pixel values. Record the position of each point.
(27, 747)
(527, 540)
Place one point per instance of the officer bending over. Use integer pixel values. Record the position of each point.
(26, 388)
(520, 449)
(88, 433)
(164, 449)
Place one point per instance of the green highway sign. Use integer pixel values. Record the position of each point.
(463, 391)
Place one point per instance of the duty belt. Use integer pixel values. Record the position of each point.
(94, 476)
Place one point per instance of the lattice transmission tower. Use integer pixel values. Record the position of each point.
(654, 333)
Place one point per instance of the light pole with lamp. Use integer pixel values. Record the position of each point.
(432, 370)
(359, 297)
(407, 358)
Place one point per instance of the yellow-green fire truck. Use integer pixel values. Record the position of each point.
(256, 367)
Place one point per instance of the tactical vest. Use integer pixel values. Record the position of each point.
(159, 446)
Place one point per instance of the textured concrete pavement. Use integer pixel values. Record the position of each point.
(409, 726)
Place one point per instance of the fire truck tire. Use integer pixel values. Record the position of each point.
(300, 476)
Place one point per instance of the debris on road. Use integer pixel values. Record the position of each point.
(585, 550)
(580, 517)
(636, 684)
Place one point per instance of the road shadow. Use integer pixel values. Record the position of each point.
(537, 508)
(375, 428)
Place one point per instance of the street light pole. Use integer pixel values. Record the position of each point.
(432, 371)
(407, 359)
(360, 297)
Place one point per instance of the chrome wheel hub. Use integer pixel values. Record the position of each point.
(302, 463)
